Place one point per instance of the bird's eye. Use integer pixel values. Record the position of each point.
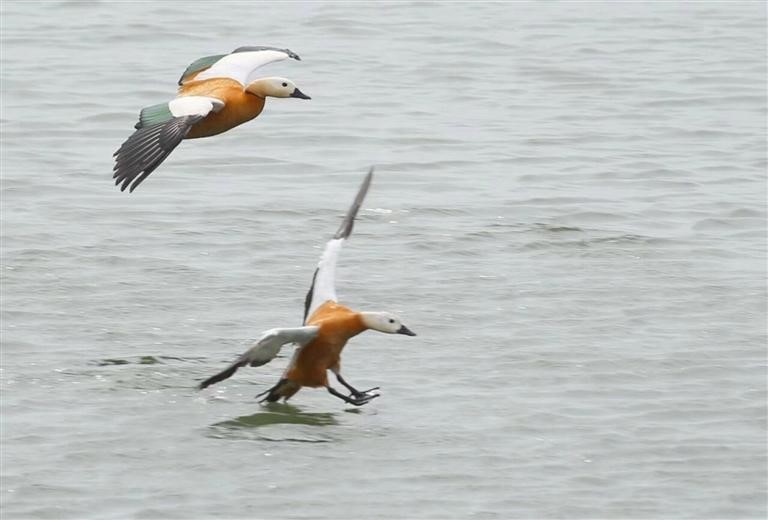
(285, 84)
(391, 320)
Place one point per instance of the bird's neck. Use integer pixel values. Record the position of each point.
(368, 320)
(258, 88)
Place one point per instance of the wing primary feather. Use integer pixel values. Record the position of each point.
(169, 137)
(135, 157)
(224, 374)
(147, 148)
(137, 153)
(349, 219)
(132, 169)
(149, 169)
(251, 48)
(139, 138)
(308, 298)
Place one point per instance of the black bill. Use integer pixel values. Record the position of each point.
(405, 330)
(299, 94)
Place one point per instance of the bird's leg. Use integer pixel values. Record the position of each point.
(357, 401)
(354, 391)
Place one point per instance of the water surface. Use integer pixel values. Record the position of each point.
(569, 209)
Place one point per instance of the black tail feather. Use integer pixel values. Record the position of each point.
(224, 374)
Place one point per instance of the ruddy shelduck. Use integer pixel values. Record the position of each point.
(328, 326)
(216, 94)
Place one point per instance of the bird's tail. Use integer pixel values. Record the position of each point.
(224, 374)
(284, 389)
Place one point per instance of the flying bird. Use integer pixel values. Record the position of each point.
(216, 94)
(328, 326)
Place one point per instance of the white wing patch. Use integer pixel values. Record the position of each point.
(325, 281)
(239, 65)
(194, 106)
(270, 343)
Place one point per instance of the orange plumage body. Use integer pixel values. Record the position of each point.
(338, 324)
(240, 106)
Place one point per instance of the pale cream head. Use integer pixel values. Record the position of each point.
(385, 322)
(275, 87)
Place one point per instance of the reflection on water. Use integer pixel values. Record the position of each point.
(269, 421)
(145, 360)
(279, 414)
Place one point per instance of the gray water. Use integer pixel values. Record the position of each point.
(569, 209)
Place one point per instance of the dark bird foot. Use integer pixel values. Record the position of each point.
(357, 399)
(361, 399)
(357, 394)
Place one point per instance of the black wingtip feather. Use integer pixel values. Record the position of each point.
(251, 48)
(147, 148)
(308, 298)
(224, 374)
(349, 219)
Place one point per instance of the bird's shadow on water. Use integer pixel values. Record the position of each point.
(277, 413)
(270, 425)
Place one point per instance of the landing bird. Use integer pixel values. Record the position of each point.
(216, 94)
(328, 326)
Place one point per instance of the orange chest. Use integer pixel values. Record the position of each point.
(239, 106)
(337, 326)
(232, 115)
(322, 353)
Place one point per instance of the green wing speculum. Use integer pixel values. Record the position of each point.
(153, 115)
(199, 65)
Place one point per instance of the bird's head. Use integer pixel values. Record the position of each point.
(275, 87)
(385, 322)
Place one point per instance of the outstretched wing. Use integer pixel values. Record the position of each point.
(237, 65)
(323, 286)
(160, 129)
(265, 350)
(198, 66)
